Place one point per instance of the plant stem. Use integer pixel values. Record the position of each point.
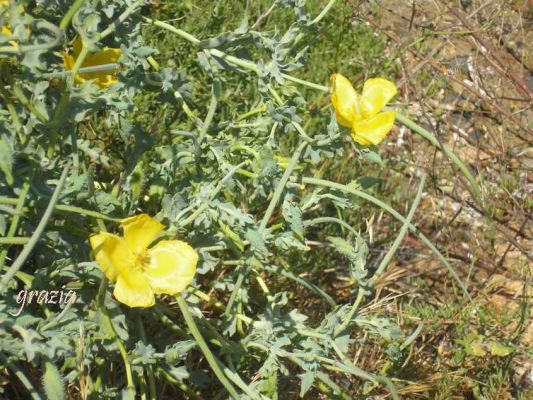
(15, 220)
(109, 325)
(17, 264)
(403, 231)
(323, 13)
(446, 150)
(385, 261)
(281, 186)
(149, 369)
(211, 359)
(395, 214)
(70, 13)
(66, 208)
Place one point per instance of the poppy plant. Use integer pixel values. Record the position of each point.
(141, 272)
(107, 55)
(362, 113)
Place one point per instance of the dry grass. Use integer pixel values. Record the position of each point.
(467, 75)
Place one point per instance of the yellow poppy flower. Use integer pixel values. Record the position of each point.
(139, 271)
(362, 113)
(107, 55)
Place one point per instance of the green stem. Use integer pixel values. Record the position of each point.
(261, 109)
(40, 25)
(11, 108)
(403, 231)
(17, 264)
(83, 70)
(79, 60)
(321, 220)
(109, 325)
(70, 13)
(211, 359)
(446, 150)
(88, 213)
(326, 9)
(15, 220)
(122, 17)
(19, 94)
(395, 214)
(181, 386)
(385, 261)
(66, 208)
(208, 118)
(268, 213)
(149, 369)
(14, 240)
(281, 186)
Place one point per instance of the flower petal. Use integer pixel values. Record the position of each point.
(344, 100)
(112, 254)
(172, 266)
(373, 130)
(140, 230)
(376, 93)
(105, 56)
(133, 289)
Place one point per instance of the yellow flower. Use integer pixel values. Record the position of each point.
(107, 55)
(362, 113)
(139, 271)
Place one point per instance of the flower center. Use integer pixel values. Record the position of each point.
(141, 260)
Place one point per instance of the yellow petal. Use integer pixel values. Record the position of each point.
(140, 230)
(133, 289)
(373, 130)
(344, 100)
(376, 93)
(112, 254)
(105, 56)
(172, 266)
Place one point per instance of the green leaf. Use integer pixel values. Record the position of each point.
(498, 349)
(293, 215)
(257, 241)
(356, 254)
(307, 381)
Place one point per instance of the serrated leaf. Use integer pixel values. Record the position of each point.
(257, 241)
(293, 215)
(306, 383)
(356, 254)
